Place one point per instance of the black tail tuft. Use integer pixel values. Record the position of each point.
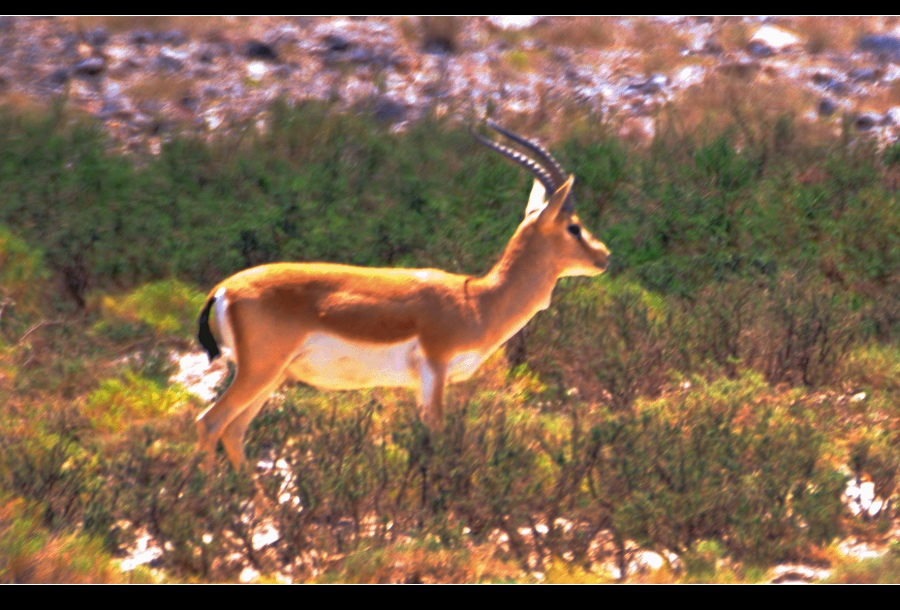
(205, 334)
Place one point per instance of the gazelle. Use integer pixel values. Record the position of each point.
(339, 327)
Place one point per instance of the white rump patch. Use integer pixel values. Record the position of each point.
(222, 325)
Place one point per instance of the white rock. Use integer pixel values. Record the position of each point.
(774, 37)
(514, 22)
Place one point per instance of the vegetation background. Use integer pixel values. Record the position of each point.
(709, 398)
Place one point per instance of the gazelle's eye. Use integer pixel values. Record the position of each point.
(575, 230)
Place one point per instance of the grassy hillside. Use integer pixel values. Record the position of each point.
(710, 396)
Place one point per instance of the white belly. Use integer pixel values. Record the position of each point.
(333, 363)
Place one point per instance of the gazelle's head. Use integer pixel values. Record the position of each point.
(551, 228)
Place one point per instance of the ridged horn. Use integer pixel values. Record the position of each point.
(550, 163)
(537, 170)
(549, 173)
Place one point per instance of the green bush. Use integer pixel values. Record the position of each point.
(732, 461)
(607, 336)
(23, 282)
(31, 554)
(168, 308)
(119, 403)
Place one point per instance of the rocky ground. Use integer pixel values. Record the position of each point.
(147, 77)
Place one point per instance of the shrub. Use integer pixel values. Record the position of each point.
(731, 461)
(119, 403)
(169, 308)
(31, 554)
(606, 338)
(23, 281)
(875, 570)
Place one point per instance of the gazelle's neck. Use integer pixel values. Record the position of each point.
(515, 289)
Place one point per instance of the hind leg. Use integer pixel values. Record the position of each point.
(241, 401)
(233, 435)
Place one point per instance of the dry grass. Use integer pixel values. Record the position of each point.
(880, 99)
(579, 32)
(424, 562)
(193, 26)
(160, 88)
(648, 35)
(22, 104)
(753, 104)
(833, 33)
(878, 570)
(29, 554)
(733, 33)
(441, 32)
(124, 23)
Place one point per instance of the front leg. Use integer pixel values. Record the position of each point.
(432, 378)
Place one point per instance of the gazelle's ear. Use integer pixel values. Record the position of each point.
(536, 199)
(557, 201)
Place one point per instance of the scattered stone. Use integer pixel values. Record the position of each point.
(866, 74)
(860, 550)
(388, 110)
(440, 34)
(97, 37)
(189, 102)
(822, 78)
(514, 22)
(176, 38)
(827, 107)
(654, 84)
(759, 49)
(866, 121)
(362, 55)
(92, 66)
(831, 82)
(256, 70)
(740, 69)
(169, 60)
(70, 43)
(211, 92)
(340, 50)
(283, 71)
(646, 562)
(255, 49)
(885, 46)
(58, 78)
(787, 574)
(838, 87)
(7, 24)
(334, 42)
(861, 498)
(206, 54)
(113, 107)
(770, 39)
(142, 37)
(713, 47)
